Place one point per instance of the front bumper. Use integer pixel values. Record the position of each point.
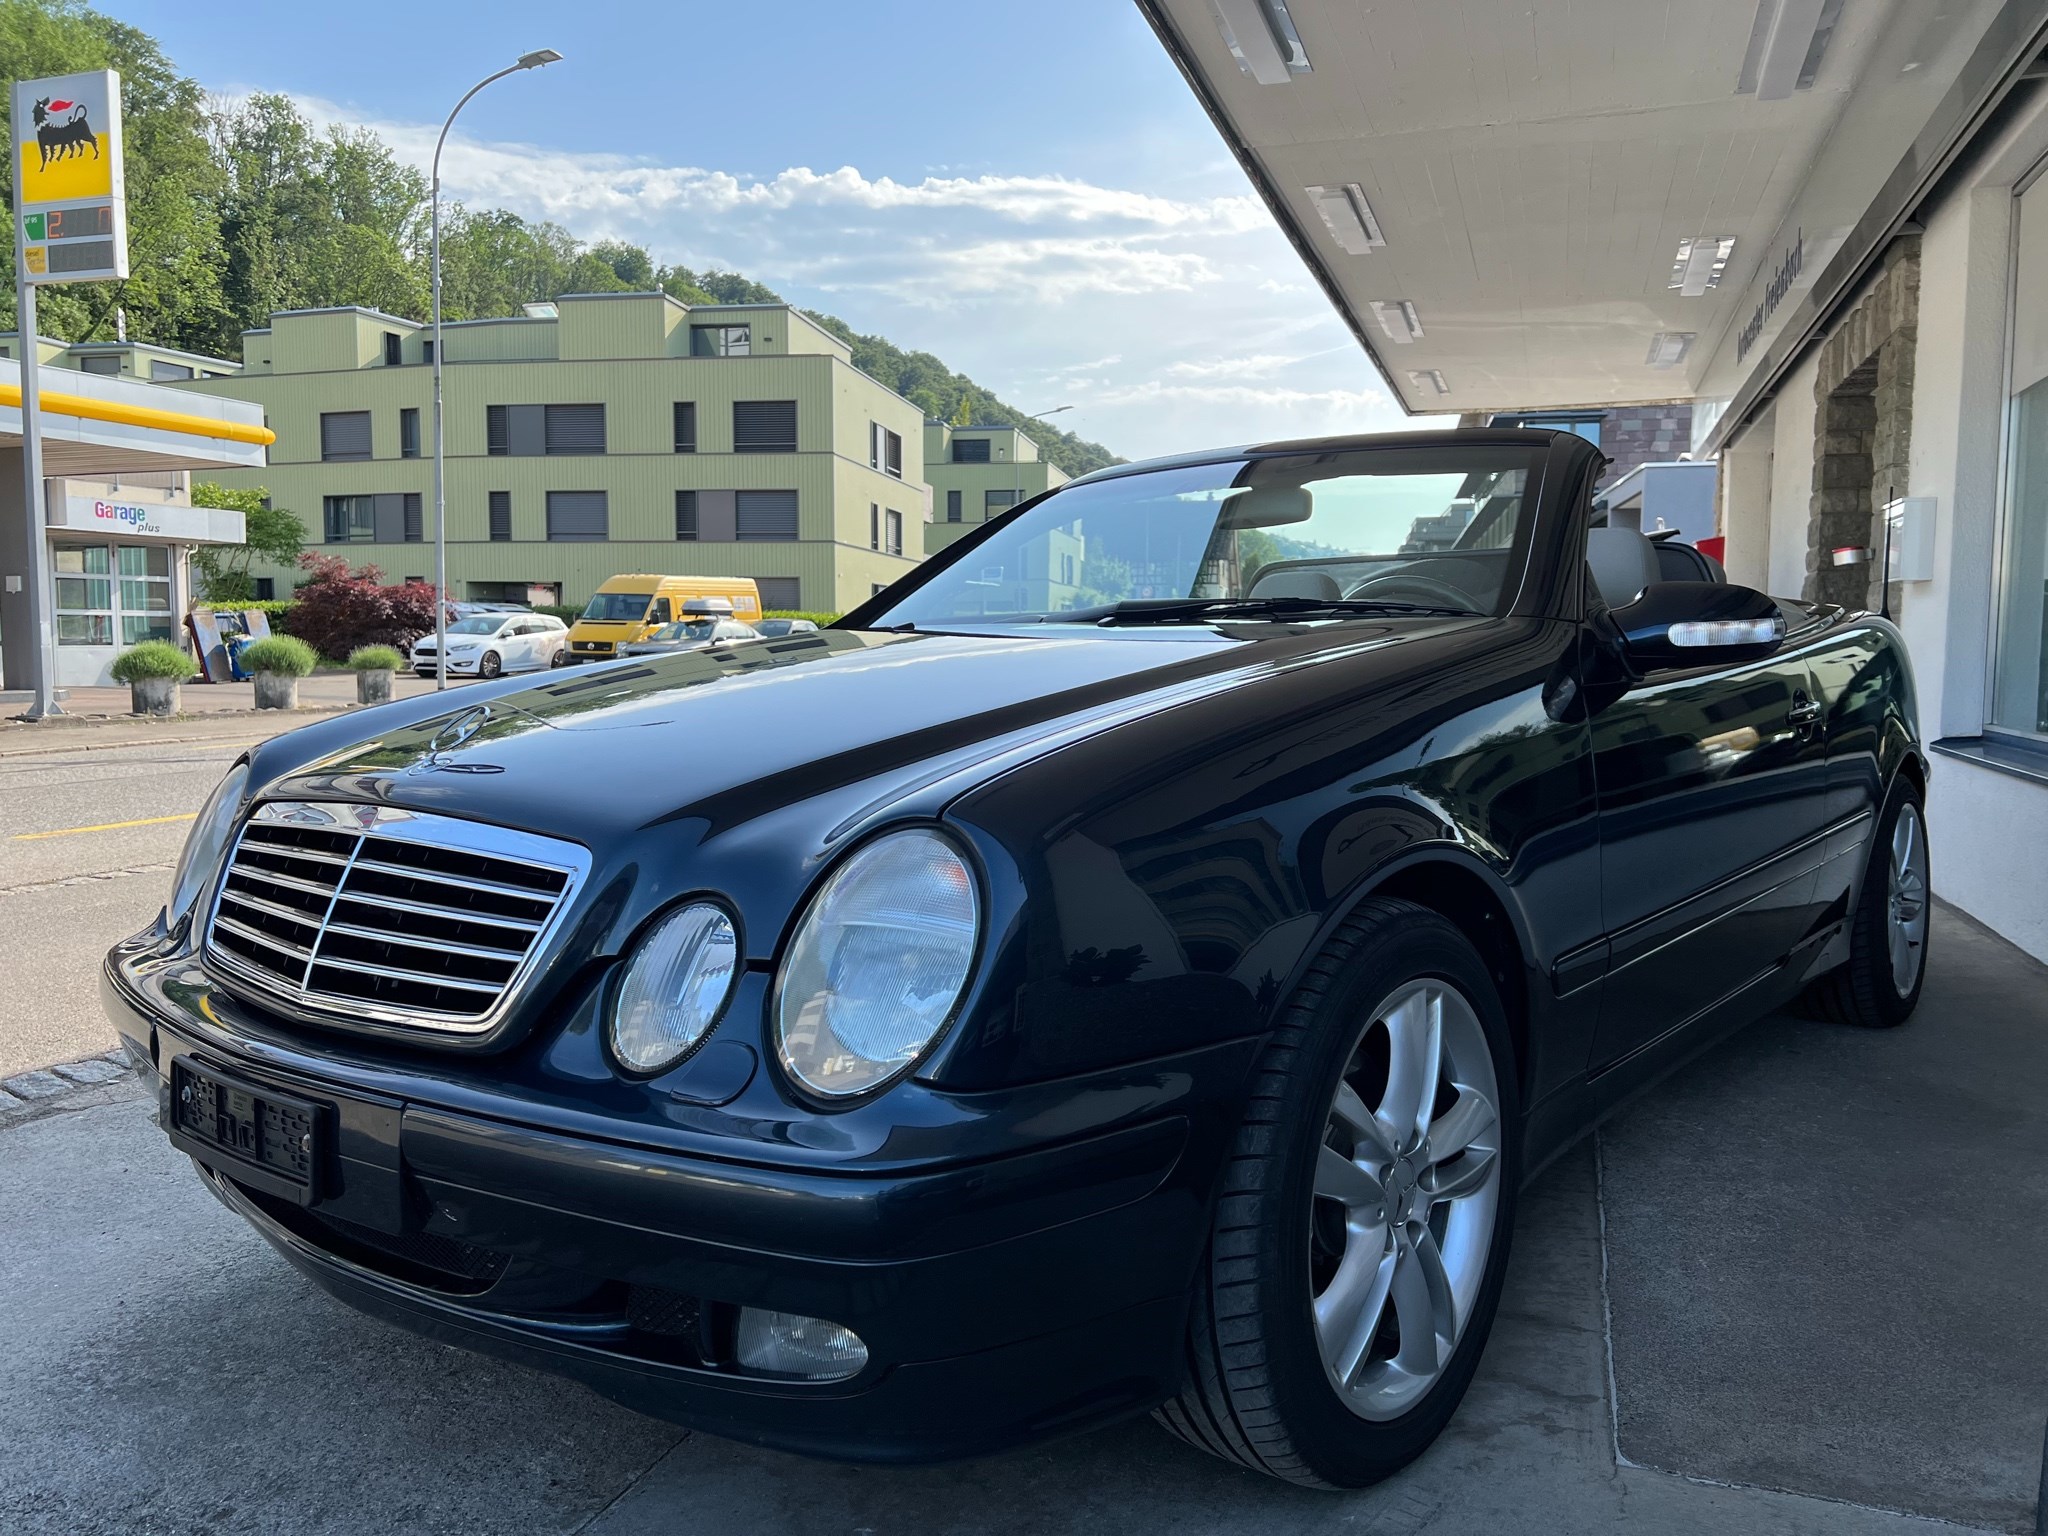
(423, 666)
(1001, 1302)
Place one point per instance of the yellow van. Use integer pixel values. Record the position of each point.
(630, 608)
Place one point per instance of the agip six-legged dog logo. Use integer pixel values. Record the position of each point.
(61, 140)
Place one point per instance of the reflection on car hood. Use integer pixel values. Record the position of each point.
(624, 743)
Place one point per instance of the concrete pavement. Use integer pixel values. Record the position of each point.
(167, 1373)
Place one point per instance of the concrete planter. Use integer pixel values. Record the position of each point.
(276, 690)
(373, 687)
(154, 696)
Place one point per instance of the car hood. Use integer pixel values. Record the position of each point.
(595, 751)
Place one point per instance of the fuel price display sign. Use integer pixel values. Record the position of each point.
(72, 196)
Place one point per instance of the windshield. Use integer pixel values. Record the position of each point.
(617, 607)
(686, 629)
(1436, 527)
(481, 624)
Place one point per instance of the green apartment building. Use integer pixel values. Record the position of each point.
(977, 473)
(599, 434)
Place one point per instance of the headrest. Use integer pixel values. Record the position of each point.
(1623, 562)
(1296, 581)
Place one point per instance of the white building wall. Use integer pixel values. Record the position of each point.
(1989, 829)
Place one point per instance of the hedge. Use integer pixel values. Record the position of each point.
(273, 607)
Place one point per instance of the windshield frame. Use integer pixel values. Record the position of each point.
(1527, 583)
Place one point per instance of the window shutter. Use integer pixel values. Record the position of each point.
(895, 525)
(970, 450)
(686, 426)
(497, 430)
(415, 518)
(764, 426)
(765, 514)
(952, 506)
(780, 592)
(578, 517)
(100, 363)
(501, 517)
(686, 515)
(892, 454)
(344, 434)
(575, 429)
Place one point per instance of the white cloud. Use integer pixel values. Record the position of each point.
(1167, 321)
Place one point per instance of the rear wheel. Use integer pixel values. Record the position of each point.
(491, 665)
(1357, 1252)
(1879, 986)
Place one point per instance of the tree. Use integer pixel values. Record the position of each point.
(269, 532)
(963, 414)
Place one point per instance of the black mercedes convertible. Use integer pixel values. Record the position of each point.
(1132, 963)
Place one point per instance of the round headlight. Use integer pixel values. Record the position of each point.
(207, 840)
(674, 988)
(877, 964)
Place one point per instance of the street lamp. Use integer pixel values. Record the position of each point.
(533, 60)
(1017, 457)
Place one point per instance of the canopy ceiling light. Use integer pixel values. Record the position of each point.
(1668, 348)
(1699, 264)
(1349, 217)
(1785, 47)
(1431, 379)
(1398, 319)
(1261, 37)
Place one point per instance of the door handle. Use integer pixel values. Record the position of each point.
(1804, 714)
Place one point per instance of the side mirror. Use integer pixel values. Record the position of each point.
(1698, 624)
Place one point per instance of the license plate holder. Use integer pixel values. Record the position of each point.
(273, 1142)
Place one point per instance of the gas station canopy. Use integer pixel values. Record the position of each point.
(1519, 203)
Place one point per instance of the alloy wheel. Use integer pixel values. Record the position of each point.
(1906, 912)
(1406, 1189)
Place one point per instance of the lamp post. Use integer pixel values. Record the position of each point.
(532, 60)
(1017, 456)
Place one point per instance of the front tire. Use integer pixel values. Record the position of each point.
(491, 666)
(1878, 987)
(1357, 1252)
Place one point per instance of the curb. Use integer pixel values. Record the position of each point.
(69, 1085)
(67, 726)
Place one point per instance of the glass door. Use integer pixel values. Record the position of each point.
(2019, 692)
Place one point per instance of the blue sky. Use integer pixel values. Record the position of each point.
(1028, 189)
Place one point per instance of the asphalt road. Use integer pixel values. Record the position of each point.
(88, 837)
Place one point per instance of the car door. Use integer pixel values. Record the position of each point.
(521, 631)
(1712, 785)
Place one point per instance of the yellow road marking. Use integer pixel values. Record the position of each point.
(105, 826)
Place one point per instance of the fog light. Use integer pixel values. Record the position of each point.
(802, 1348)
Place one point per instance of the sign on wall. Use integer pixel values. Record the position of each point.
(71, 195)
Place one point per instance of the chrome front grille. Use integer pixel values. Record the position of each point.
(370, 913)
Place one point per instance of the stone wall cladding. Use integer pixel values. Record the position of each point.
(1863, 430)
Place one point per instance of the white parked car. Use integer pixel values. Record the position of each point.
(491, 644)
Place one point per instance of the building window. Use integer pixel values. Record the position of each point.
(344, 435)
(415, 521)
(159, 369)
(100, 362)
(426, 353)
(85, 594)
(721, 340)
(266, 589)
(408, 432)
(497, 430)
(885, 450)
(952, 506)
(144, 593)
(874, 525)
(2019, 692)
(994, 503)
(686, 516)
(578, 517)
(763, 515)
(893, 525)
(780, 594)
(877, 588)
(686, 426)
(573, 428)
(350, 519)
(970, 450)
(501, 517)
(764, 426)
(393, 356)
